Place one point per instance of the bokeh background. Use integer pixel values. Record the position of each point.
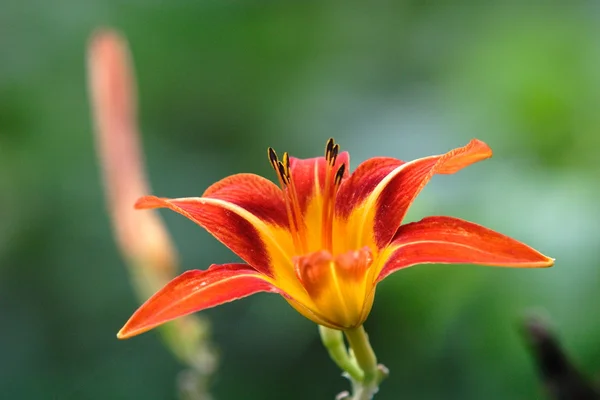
(222, 80)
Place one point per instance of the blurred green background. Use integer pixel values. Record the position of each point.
(222, 80)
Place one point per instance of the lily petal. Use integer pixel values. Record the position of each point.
(309, 176)
(245, 212)
(195, 291)
(378, 211)
(399, 189)
(361, 183)
(253, 193)
(447, 240)
(310, 313)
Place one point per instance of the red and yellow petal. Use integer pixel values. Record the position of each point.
(447, 240)
(378, 211)
(195, 291)
(406, 182)
(255, 194)
(308, 310)
(309, 176)
(361, 183)
(246, 213)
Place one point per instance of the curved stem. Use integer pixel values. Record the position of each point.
(363, 352)
(367, 361)
(358, 361)
(333, 340)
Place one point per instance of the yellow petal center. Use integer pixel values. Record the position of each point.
(328, 280)
(337, 285)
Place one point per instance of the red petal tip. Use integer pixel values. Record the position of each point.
(126, 332)
(149, 202)
(481, 147)
(457, 159)
(448, 240)
(549, 262)
(193, 291)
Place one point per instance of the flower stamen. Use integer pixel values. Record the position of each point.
(331, 151)
(292, 204)
(329, 192)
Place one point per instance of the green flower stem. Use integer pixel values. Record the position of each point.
(333, 340)
(364, 355)
(358, 361)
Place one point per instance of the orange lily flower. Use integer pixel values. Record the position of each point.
(325, 237)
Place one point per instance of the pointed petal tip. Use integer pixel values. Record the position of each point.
(149, 202)
(127, 332)
(457, 159)
(548, 262)
(483, 149)
(448, 240)
(193, 291)
(135, 327)
(539, 260)
(481, 144)
(122, 335)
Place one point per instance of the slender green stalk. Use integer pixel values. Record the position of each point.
(358, 361)
(333, 340)
(363, 352)
(367, 361)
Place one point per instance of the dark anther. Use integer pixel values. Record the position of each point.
(334, 154)
(329, 149)
(281, 169)
(340, 174)
(273, 157)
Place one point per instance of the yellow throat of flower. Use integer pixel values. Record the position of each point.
(339, 291)
(337, 285)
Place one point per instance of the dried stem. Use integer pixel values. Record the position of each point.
(562, 380)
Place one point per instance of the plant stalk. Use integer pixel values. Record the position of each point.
(367, 361)
(333, 340)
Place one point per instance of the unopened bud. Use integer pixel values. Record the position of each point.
(140, 235)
